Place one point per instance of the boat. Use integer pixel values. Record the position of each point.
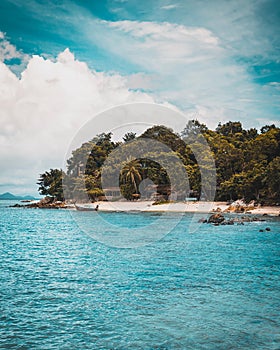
(78, 207)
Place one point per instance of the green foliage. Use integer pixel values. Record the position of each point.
(50, 184)
(247, 163)
(129, 136)
(130, 178)
(272, 179)
(91, 155)
(193, 129)
(167, 136)
(229, 128)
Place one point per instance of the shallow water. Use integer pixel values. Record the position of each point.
(217, 288)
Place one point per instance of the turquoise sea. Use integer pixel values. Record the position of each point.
(216, 288)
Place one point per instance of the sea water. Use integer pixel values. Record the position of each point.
(215, 288)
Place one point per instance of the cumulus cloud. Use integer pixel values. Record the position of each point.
(200, 69)
(9, 52)
(205, 61)
(41, 112)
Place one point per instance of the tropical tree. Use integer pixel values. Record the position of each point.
(50, 184)
(91, 155)
(166, 136)
(129, 136)
(272, 180)
(131, 174)
(193, 129)
(229, 128)
(247, 163)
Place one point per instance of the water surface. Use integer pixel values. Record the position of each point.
(217, 288)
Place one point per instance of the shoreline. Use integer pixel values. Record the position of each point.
(201, 207)
(179, 207)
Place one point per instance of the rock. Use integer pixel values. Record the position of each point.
(228, 222)
(216, 219)
(45, 203)
(202, 220)
(16, 206)
(236, 219)
(261, 230)
(239, 206)
(267, 229)
(245, 219)
(252, 204)
(217, 210)
(255, 218)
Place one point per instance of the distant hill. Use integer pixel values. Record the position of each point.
(10, 196)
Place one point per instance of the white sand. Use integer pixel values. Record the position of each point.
(266, 210)
(147, 206)
(188, 207)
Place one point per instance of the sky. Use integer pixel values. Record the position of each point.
(61, 62)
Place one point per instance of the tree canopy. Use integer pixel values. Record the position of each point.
(247, 163)
(50, 184)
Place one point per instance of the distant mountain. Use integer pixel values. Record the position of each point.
(11, 197)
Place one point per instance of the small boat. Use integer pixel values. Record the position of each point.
(85, 208)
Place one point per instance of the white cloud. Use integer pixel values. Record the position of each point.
(170, 7)
(41, 112)
(275, 84)
(142, 81)
(9, 52)
(168, 44)
(190, 67)
(208, 64)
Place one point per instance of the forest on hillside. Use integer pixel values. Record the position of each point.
(246, 162)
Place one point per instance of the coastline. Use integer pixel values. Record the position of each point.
(202, 207)
(180, 207)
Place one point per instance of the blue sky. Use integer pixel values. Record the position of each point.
(245, 61)
(216, 60)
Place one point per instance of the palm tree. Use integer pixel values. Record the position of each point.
(131, 172)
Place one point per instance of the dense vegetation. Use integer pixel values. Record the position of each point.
(247, 164)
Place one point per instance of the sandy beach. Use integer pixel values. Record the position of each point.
(188, 207)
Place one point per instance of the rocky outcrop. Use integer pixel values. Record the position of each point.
(240, 206)
(219, 219)
(45, 203)
(216, 219)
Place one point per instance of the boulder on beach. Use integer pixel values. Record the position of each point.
(239, 206)
(217, 210)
